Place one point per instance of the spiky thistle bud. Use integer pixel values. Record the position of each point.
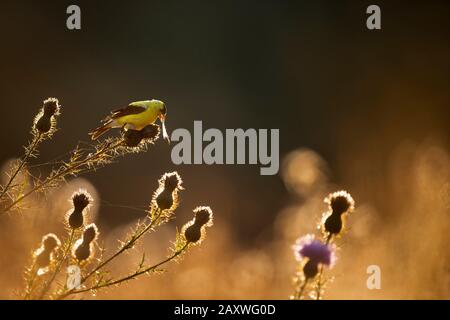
(45, 121)
(83, 247)
(90, 233)
(166, 196)
(310, 269)
(203, 216)
(51, 106)
(194, 231)
(44, 254)
(149, 133)
(339, 203)
(81, 201)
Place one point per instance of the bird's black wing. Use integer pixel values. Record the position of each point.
(130, 109)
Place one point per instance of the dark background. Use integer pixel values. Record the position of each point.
(311, 69)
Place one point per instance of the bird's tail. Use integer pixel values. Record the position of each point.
(100, 130)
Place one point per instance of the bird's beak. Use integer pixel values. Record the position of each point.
(162, 117)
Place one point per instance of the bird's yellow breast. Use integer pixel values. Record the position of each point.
(139, 121)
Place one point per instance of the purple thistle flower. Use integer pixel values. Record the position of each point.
(316, 251)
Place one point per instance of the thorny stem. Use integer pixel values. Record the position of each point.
(122, 249)
(319, 283)
(319, 278)
(129, 277)
(28, 153)
(30, 281)
(299, 292)
(59, 265)
(330, 235)
(62, 173)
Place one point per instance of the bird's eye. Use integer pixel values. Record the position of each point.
(163, 109)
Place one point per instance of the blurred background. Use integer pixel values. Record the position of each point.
(365, 111)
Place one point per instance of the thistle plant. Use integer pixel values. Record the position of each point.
(83, 249)
(340, 204)
(44, 254)
(75, 217)
(43, 128)
(42, 258)
(82, 159)
(313, 255)
(195, 230)
(94, 276)
(79, 247)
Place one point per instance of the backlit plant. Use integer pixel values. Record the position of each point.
(46, 277)
(313, 255)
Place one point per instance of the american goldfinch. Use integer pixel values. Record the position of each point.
(136, 115)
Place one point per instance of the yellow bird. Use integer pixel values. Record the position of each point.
(136, 115)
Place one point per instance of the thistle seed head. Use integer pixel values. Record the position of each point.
(82, 252)
(165, 200)
(166, 196)
(203, 216)
(310, 269)
(81, 199)
(45, 121)
(90, 233)
(50, 242)
(333, 224)
(134, 137)
(75, 219)
(44, 254)
(43, 124)
(51, 106)
(194, 231)
(340, 202)
(83, 248)
(150, 132)
(171, 181)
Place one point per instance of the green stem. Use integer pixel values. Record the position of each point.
(319, 283)
(122, 249)
(62, 173)
(22, 163)
(129, 277)
(299, 292)
(319, 278)
(330, 235)
(30, 281)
